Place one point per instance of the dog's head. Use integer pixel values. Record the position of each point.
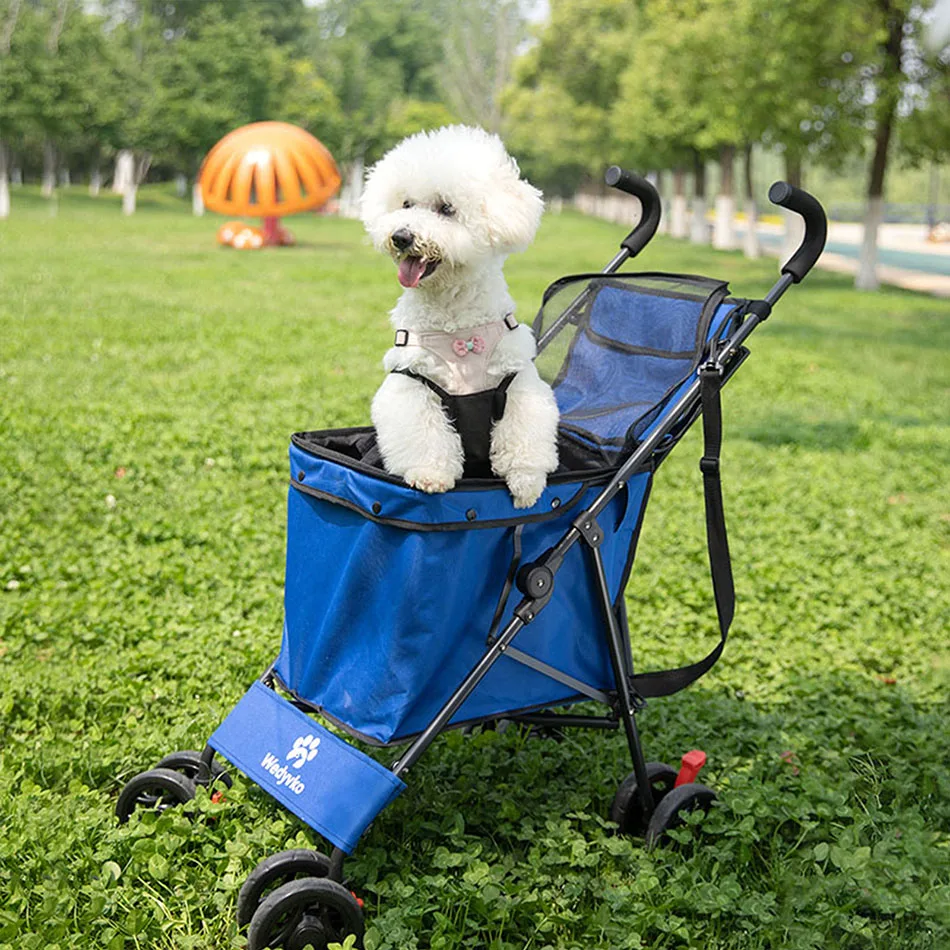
(448, 199)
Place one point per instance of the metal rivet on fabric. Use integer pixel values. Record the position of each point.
(377, 507)
(555, 502)
(471, 514)
(301, 476)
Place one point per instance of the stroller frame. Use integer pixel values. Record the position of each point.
(536, 580)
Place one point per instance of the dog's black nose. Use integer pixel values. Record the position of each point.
(402, 239)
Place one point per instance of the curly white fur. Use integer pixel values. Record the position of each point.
(458, 197)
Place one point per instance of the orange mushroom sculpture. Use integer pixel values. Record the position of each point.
(268, 170)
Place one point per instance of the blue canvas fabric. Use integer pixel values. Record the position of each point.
(631, 346)
(334, 788)
(384, 619)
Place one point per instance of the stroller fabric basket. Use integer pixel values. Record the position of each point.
(390, 594)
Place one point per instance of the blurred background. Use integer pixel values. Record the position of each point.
(714, 98)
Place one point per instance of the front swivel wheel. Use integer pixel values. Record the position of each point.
(274, 872)
(313, 912)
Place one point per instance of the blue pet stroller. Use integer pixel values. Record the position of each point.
(401, 617)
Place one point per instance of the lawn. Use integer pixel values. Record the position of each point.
(149, 383)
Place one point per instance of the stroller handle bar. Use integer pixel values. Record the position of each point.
(816, 227)
(640, 188)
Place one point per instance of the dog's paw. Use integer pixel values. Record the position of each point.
(526, 487)
(430, 480)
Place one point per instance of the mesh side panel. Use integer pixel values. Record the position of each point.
(614, 347)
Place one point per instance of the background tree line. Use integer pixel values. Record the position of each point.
(672, 86)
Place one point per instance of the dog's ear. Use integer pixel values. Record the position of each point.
(512, 211)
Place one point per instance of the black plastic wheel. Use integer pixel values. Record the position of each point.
(627, 811)
(154, 790)
(674, 808)
(312, 912)
(275, 871)
(188, 762)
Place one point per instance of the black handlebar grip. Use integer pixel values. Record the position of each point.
(816, 227)
(640, 188)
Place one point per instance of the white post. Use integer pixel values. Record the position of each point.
(750, 242)
(197, 202)
(698, 229)
(867, 269)
(679, 217)
(49, 170)
(4, 184)
(724, 235)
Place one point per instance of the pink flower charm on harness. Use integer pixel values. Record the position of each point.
(463, 347)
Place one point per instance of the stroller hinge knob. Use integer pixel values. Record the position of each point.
(589, 530)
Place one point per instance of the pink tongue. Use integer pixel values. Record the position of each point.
(411, 270)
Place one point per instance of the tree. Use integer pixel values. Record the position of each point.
(481, 39)
(557, 110)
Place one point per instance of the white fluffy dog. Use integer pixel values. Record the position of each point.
(462, 392)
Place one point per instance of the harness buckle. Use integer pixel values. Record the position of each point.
(402, 338)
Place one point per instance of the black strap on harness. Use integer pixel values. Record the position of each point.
(665, 682)
(473, 416)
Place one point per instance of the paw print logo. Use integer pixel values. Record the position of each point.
(305, 748)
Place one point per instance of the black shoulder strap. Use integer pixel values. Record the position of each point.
(665, 682)
(435, 387)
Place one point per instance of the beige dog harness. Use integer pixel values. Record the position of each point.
(470, 404)
(464, 353)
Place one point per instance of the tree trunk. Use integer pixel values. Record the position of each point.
(197, 202)
(124, 171)
(724, 235)
(181, 185)
(888, 97)
(65, 179)
(95, 178)
(129, 198)
(664, 225)
(49, 169)
(750, 244)
(4, 184)
(699, 229)
(6, 35)
(353, 190)
(679, 227)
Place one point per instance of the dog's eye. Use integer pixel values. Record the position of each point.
(407, 203)
(446, 210)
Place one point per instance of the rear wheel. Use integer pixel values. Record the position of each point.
(673, 809)
(188, 762)
(154, 790)
(627, 810)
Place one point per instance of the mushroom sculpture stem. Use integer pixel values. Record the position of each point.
(272, 230)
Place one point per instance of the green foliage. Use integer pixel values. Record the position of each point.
(148, 383)
(557, 112)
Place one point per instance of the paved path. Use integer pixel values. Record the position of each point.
(905, 257)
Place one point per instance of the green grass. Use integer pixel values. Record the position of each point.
(148, 385)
